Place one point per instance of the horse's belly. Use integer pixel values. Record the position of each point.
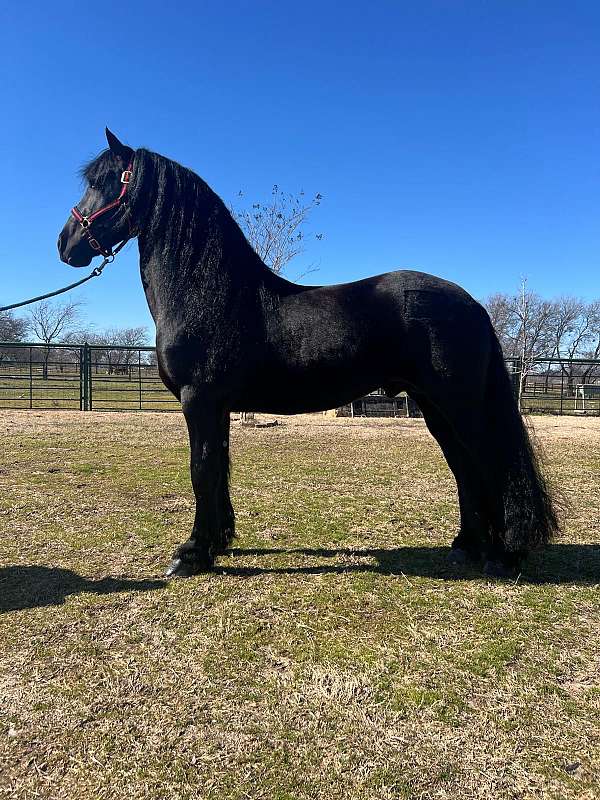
(301, 393)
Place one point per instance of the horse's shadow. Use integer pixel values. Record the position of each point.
(558, 563)
(23, 587)
(34, 586)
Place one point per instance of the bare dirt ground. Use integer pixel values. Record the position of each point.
(332, 654)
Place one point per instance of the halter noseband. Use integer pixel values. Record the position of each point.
(86, 221)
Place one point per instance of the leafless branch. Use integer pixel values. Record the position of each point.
(276, 229)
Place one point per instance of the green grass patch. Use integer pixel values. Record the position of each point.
(332, 654)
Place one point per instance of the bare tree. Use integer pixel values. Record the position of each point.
(51, 323)
(591, 348)
(149, 359)
(12, 329)
(525, 325)
(88, 335)
(574, 333)
(117, 338)
(107, 344)
(535, 322)
(276, 230)
(500, 310)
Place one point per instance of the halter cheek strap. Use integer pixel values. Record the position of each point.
(86, 220)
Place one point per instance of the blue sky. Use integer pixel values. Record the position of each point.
(459, 138)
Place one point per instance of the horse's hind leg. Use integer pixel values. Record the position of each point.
(459, 367)
(474, 527)
(213, 530)
(516, 508)
(481, 457)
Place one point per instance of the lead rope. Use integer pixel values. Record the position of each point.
(95, 273)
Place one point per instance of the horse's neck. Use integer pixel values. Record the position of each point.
(223, 279)
(155, 280)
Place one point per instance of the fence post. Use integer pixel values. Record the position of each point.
(140, 376)
(86, 378)
(80, 378)
(30, 377)
(89, 377)
(84, 397)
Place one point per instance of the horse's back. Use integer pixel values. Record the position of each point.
(394, 300)
(369, 326)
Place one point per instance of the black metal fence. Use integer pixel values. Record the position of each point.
(112, 378)
(542, 386)
(84, 377)
(557, 386)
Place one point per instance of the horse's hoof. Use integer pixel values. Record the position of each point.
(185, 569)
(496, 569)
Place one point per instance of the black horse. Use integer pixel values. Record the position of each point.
(230, 334)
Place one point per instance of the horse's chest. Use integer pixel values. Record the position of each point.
(196, 359)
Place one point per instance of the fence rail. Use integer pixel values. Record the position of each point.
(557, 385)
(84, 377)
(116, 378)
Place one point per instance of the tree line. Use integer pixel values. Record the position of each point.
(50, 324)
(561, 330)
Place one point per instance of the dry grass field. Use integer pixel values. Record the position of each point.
(333, 654)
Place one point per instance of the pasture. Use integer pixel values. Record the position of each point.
(333, 654)
(130, 387)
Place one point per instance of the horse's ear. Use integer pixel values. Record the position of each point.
(116, 146)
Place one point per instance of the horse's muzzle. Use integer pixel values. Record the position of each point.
(75, 255)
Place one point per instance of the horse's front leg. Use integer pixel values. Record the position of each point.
(208, 428)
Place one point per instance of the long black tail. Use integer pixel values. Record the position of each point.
(527, 514)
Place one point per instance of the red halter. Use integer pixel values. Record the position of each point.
(86, 221)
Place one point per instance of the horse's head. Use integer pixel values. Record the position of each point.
(100, 219)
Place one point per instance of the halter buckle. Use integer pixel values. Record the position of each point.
(95, 244)
(126, 176)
